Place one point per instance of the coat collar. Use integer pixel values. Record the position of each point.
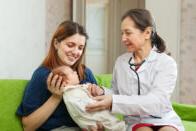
(151, 57)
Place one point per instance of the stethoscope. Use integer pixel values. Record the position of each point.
(138, 78)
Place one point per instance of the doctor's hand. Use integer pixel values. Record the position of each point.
(104, 102)
(55, 85)
(99, 127)
(95, 90)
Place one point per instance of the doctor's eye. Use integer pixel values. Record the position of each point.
(127, 33)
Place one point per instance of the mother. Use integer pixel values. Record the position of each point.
(42, 108)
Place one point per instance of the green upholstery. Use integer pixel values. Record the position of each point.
(104, 80)
(188, 115)
(11, 92)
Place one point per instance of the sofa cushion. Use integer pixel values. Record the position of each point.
(185, 111)
(104, 80)
(11, 92)
(189, 125)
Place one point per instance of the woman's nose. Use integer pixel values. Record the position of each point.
(123, 38)
(75, 51)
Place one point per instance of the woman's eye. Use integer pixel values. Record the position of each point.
(81, 47)
(128, 33)
(70, 44)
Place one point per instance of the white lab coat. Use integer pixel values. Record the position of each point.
(158, 76)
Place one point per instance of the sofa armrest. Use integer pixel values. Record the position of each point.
(185, 111)
(11, 92)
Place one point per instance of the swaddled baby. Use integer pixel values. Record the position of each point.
(76, 97)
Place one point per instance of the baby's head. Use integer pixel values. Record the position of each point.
(68, 75)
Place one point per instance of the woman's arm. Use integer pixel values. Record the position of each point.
(40, 115)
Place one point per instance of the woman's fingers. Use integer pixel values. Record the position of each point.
(59, 81)
(55, 83)
(54, 80)
(49, 79)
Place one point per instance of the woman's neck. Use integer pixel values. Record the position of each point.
(142, 53)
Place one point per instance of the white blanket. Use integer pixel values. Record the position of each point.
(76, 98)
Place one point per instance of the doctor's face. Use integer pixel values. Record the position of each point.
(132, 37)
(70, 49)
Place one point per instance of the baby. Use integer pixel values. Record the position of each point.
(76, 97)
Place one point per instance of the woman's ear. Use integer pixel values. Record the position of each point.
(55, 44)
(148, 32)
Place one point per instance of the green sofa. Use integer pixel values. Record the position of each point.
(11, 92)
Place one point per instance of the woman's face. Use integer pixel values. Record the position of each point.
(70, 49)
(132, 37)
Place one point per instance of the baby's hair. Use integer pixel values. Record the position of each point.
(59, 71)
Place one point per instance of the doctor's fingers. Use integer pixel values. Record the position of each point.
(100, 126)
(91, 128)
(100, 98)
(97, 106)
(106, 101)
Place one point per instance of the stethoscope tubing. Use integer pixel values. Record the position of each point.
(138, 78)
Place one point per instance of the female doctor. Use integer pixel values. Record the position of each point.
(143, 78)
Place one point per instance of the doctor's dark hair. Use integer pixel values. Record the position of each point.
(143, 19)
(64, 30)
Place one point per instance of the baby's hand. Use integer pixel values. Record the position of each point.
(95, 90)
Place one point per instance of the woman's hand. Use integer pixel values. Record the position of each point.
(104, 102)
(95, 90)
(55, 85)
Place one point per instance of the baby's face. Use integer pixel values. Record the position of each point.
(69, 76)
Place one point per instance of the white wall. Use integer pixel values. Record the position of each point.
(167, 19)
(22, 32)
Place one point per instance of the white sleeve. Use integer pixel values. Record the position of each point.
(157, 100)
